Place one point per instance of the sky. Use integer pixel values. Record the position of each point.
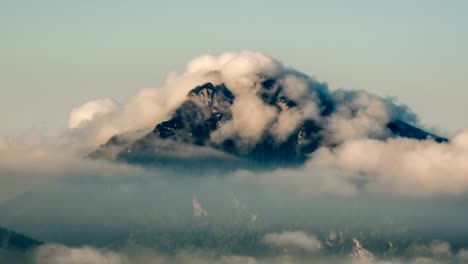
(56, 55)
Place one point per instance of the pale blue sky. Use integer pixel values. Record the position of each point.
(55, 55)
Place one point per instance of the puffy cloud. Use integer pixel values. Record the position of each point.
(90, 110)
(242, 71)
(293, 240)
(152, 105)
(396, 167)
(141, 112)
(358, 115)
(405, 166)
(288, 121)
(251, 117)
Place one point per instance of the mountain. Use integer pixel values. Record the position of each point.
(186, 136)
(16, 241)
(16, 248)
(402, 129)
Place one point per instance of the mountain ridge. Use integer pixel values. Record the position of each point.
(12, 240)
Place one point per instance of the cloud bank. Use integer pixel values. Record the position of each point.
(58, 254)
(356, 151)
(402, 165)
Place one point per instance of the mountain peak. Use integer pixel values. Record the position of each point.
(207, 107)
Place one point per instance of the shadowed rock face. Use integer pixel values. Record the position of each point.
(10, 240)
(402, 129)
(198, 116)
(186, 135)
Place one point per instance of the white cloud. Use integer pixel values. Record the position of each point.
(251, 117)
(404, 166)
(358, 115)
(90, 110)
(293, 240)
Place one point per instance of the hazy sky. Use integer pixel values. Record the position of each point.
(55, 55)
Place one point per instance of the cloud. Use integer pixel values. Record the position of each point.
(58, 254)
(153, 105)
(355, 140)
(404, 166)
(395, 167)
(306, 181)
(90, 110)
(293, 240)
(256, 80)
(441, 249)
(26, 162)
(356, 152)
(462, 255)
(142, 111)
(34, 156)
(361, 115)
